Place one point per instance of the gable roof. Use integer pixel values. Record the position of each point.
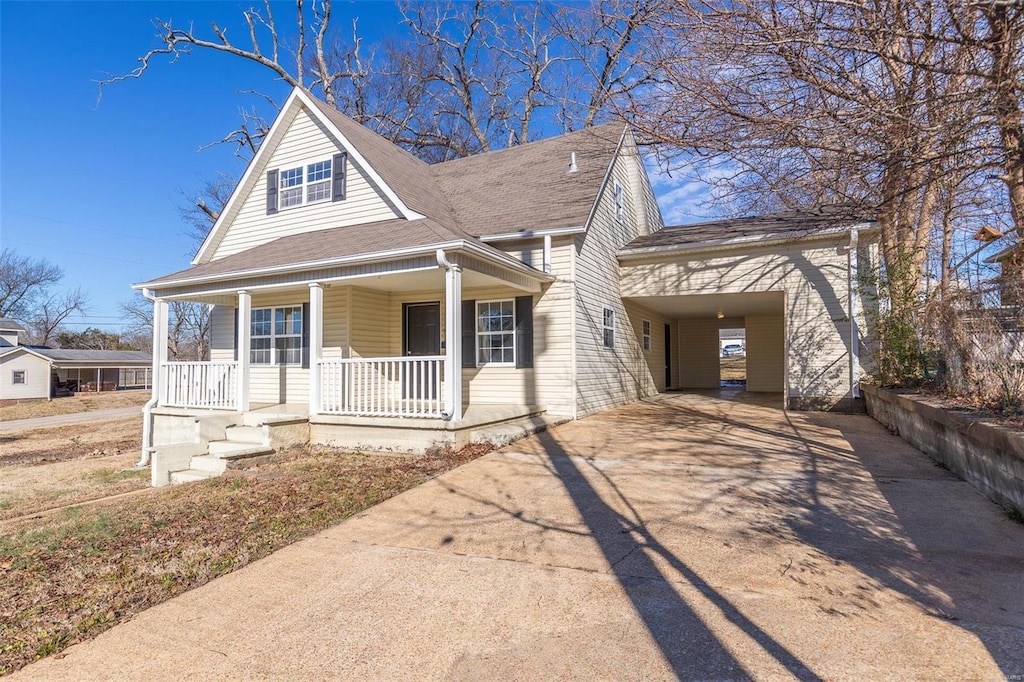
(9, 325)
(791, 225)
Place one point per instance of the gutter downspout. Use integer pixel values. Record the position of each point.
(851, 284)
(147, 409)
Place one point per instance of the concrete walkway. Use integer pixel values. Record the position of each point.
(73, 418)
(690, 537)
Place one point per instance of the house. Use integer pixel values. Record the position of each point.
(364, 298)
(1011, 275)
(36, 372)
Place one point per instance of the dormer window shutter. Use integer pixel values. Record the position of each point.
(272, 191)
(338, 177)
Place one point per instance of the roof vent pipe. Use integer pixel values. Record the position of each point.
(572, 163)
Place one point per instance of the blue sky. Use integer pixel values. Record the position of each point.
(96, 189)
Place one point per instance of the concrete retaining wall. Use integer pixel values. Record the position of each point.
(986, 455)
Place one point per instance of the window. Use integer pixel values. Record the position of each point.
(646, 335)
(18, 376)
(618, 202)
(313, 187)
(608, 327)
(495, 333)
(276, 336)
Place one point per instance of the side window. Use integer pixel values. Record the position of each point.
(646, 333)
(495, 333)
(18, 376)
(608, 327)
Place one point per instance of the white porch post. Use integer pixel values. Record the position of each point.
(244, 343)
(316, 344)
(159, 376)
(453, 341)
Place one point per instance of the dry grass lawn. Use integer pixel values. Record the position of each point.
(80, 402)
(72, 574)
(42, 469)
(734, 368)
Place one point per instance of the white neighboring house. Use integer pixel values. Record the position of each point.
(366, 299)
(33, 372)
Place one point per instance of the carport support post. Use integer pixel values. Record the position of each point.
(244, 343)
(453, 341)
(316, 343)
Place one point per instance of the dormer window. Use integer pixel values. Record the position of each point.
(310, 183)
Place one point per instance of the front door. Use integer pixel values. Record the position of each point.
(422, 331)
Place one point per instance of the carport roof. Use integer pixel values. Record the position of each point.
(789, 225)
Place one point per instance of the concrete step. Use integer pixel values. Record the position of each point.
(214, 465)
(255, 435)
(226, 449)
(509, 432)
(190, 475)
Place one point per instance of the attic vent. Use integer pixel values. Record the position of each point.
(572, 163)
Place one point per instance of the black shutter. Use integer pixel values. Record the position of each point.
(524, 332)
(338, 177)
(305, 335)
(236, 335)
(272, 191)
(469, 333)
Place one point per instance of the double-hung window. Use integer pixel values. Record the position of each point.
(309, 184)
(18, 376)
(276, 336)
(495, 333)
(645, 329)
(608, 327)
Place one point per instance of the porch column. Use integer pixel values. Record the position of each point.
(453, 341)
(159, 376)
(244, 343)
(316, 344)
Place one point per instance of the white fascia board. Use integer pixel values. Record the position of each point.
(492, 255)
(740, 242)
(23, 349)
(360, 160)
(607, 175)
(532, 234)
(254, 163)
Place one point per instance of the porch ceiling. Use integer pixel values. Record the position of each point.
(710, 305)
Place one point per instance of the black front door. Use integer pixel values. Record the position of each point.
(422, 333)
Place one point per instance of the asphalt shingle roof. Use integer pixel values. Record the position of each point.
(9, 325)
(77, 355)
(795, 224)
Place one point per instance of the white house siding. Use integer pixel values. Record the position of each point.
(697, 353)
(8, 339)
(304, 141)
(337, 303)
(37, 376)
(813, 277)
(655, 357)
(766, 353)
(371, 324)
(607, 377)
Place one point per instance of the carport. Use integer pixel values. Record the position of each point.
(789, 280)
(694, 324)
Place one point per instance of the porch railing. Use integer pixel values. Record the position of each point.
(383, 387)
(209, 385)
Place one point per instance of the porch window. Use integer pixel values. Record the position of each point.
(608, 327)
(495, 333)
(646, 335)
(18, 376)
(276, 336)
(309, 184)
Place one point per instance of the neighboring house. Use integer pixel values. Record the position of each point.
(732, 337)
(35, 372)
(364, 298)
(1011, 275)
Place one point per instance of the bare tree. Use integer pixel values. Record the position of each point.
(45, 323)
(24, 283)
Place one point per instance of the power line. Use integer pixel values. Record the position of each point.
(50, 247)
(85, 227)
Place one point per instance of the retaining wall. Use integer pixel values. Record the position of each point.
(988, 456)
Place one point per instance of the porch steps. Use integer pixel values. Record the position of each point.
(242, 446)
(190, 475)
(511, 431)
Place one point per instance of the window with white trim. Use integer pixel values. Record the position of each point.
(309, 184)
(495, 332)
(618, 202)
(608, 327)
(276, 336)
(645, 329)
(18, 376)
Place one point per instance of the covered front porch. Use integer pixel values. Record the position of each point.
(420, 338)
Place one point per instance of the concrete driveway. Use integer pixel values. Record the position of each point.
(687, 537)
